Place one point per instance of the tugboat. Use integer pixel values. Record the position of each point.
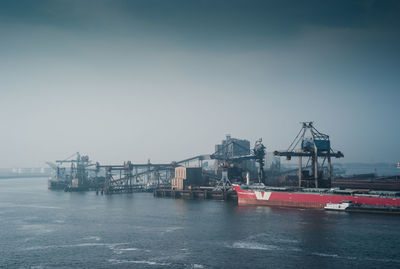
(338, 206)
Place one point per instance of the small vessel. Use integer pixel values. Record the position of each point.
(338, 206)
(57, 184)
(349, 206)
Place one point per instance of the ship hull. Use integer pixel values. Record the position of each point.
(306, 200)
(56, 184)
(243, 201)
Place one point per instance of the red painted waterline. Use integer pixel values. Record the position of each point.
(309, 199)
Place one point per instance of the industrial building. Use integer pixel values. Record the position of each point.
(187, 176)
(233, 148)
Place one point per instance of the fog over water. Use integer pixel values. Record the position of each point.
(132, 80)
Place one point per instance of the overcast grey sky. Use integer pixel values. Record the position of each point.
(132, 80)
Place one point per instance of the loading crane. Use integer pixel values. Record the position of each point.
(79, 168)
(314, 145)
(257, 154)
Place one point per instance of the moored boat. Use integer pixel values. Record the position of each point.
(348, 206)
(56, 184)
(311, 198)
(338, 206)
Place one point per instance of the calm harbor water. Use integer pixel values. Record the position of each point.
(52, 229)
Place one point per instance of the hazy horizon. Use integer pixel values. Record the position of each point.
(166, 80)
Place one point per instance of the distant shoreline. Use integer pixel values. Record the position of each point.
(24, 176)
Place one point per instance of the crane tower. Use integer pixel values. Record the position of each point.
(312, 145)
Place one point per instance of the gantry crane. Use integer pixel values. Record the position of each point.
(78, 168)
(313, 145)
(257, 154)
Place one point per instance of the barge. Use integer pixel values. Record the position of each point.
(348, 206)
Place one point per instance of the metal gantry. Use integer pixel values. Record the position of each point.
(115, 183)
(257, 154)
(128, 177)
(79, 168)
(313, 145)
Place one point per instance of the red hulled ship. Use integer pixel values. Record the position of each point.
(311, 198)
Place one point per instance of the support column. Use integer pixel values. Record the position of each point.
(315, 160)
(329, 170)
(300, 170)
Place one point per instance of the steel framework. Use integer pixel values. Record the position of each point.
(314, 145)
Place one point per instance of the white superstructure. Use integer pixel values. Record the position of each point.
(338, 206)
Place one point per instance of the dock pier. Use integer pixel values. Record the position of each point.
(229, 195)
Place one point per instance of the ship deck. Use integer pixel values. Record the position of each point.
(323, 191)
